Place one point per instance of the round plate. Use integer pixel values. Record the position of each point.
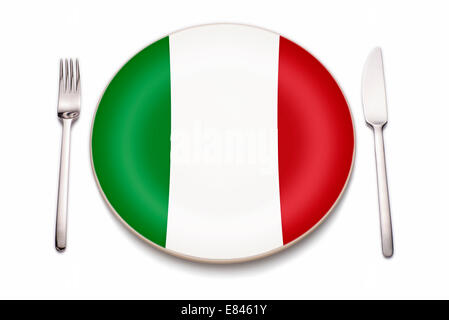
(222, 143)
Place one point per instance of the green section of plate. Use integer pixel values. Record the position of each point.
(132, 167)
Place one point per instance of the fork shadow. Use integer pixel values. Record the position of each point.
(268, 262)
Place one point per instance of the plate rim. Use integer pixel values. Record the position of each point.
(232, 260)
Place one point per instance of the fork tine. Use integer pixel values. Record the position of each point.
(61, 76)
(77, 83)
(71, 86)
(66, 75)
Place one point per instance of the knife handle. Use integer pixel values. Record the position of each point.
(382, 188)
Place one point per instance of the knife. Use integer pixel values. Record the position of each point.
(375, 109)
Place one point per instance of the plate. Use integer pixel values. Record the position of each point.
(222, 143)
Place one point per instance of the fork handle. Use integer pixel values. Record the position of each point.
(61, 214)
(382, 188)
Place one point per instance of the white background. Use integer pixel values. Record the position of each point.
(341, 259)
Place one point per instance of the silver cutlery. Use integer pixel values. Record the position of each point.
(69, 107)
(375, 109)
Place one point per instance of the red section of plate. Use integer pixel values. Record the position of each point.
(316, 140)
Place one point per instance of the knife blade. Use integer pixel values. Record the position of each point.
(375, 109)
(373, 89)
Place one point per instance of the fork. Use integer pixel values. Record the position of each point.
(69, 107)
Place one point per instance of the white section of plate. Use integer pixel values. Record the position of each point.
(224, 183)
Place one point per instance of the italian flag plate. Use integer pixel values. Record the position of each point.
(222, 143)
